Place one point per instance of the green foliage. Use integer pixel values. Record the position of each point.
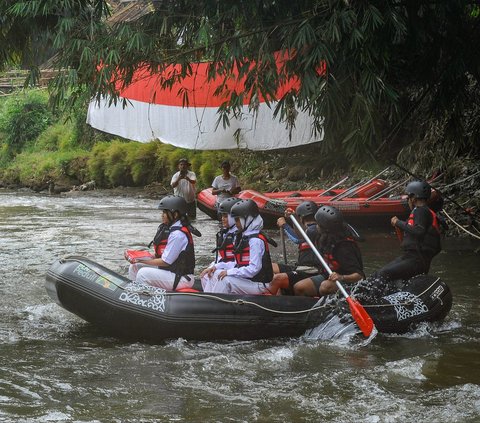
(381, 58)
(83, 134)
(22, 119)
(97, 163)
(33, 169)
(207, 173)
(59, 136)
(142, 159)
(136, 164)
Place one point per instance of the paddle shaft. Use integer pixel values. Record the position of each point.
(284, 247)
(359, 184)
(333, 186)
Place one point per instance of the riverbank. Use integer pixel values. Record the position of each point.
(460, 185)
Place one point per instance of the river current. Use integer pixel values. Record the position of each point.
(54, 367)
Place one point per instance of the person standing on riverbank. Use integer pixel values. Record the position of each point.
(225, 185)
(421, 236)
(184, 185)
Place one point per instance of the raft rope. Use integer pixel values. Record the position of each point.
(460, 226)
(244, 302)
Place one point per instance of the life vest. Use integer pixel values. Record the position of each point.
(225, 246)
(430, 243)
(185, 262)
(306, 256)
(242, 257)
(160, 240)
(435, 225)
(330, 258)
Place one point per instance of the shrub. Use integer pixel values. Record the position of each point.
(58, 136)
(97, 163)
(34, 169)
(142, 159)
(23, 118)
(206, 174)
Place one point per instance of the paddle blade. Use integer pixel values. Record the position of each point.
(364, 321)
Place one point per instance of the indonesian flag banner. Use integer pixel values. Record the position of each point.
(153, 113)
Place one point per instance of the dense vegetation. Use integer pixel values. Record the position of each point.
(398, 74)
(38, 147)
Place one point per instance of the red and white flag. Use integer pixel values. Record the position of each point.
(154, 113)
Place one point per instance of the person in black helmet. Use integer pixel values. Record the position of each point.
(251, 272)
(307, 263)
(174, 261)
(225, 240)
(340, 251)
(421, 236)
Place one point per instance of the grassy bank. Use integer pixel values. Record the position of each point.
(40, 148)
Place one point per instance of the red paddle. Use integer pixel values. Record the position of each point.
(360, 315)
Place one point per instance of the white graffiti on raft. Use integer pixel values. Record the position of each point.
(406, 305)
(144, 296)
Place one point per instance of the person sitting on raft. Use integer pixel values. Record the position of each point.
(421, 236)
(174, 261)
(307, 263)
(340, 251)
(251, 272)
(225, 240)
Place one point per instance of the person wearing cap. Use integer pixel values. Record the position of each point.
(225, 185)
(184, 185)
(420, 236)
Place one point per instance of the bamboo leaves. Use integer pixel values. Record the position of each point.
(360, 65)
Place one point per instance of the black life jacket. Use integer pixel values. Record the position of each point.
(430, 244)
(185, 262)
(242, 257)
(306, 256)
(330, 255)
(225, 246)
(160, 239)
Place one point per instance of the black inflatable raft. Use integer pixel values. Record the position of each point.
(131, 311)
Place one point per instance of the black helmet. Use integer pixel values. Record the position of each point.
(306, 208)
(226, 205)
(329, 218)
(244, 208)
(420, 189)
(173, 203)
